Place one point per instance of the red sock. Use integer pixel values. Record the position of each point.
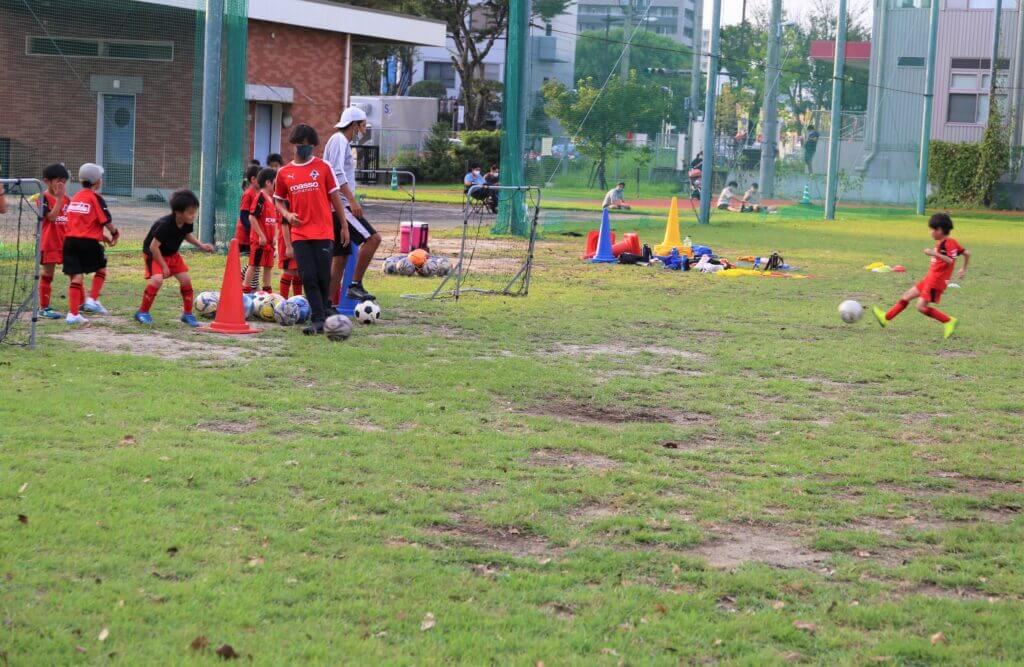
(97, 284)
(247, 289)
(186, 299)
(286, 283)
(45, 289)
(896, 309)
(936, 314)
(148, 296)
(296, 286)
(268, 288)
(76, 295)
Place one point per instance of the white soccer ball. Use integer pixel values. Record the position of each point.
(405, 267)
(267, 307)
(851, 311)
(287, 313)
(337, 327)
(303, 305)
(367, 312)
(206, 303)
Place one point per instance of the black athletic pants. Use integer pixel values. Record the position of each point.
(314, 260)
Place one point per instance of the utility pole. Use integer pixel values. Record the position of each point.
(698, 36)
(836, 121)
(929, 100)
(770, 130)
(210, 120)
(511, 217)
(627, 32)
(995, 52)
(1018, 80)
(708, 168)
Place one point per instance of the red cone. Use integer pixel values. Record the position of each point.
(230, 317)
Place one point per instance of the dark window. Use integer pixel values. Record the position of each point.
(76, 47)
(978, 63)
(140, 51)
(45, 46)
(910, 61)
(443, 72)
(963, 108)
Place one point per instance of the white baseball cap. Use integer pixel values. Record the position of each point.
(90, 172)
(351, 115)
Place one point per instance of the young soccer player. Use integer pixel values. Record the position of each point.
(242, 227)
(162, 259)
(54, 223)
(88, 217)
(290, 279)
(338, 152)
(305, 191)
(275, 161)
(262, 238)
(940, 270)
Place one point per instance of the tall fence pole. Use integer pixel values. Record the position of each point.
(996, 22)
(708, 168)
(511, 218)
(831, 184)
(771, 103)
(210, 119)
(929, 100)
(698, 35)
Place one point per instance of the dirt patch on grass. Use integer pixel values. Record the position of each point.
(981, 485)
(226, 427)
(586, 413)
(99, 338)
(618, 349)
(593, 512)
(733, 545)
(507, 539)
(555, 458)
(891, 527)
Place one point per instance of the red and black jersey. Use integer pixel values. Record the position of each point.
(306, 188)
(53, 230)
(263, 211)
(941, 270)
(87, 213)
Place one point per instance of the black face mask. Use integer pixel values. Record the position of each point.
(304, 152)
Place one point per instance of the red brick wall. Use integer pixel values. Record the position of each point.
(49, 112)
(311, 62)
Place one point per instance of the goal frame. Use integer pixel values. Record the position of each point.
(33, 298)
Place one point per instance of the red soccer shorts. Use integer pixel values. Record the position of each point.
(175, 263)
(932, 289)
(52, 256)
(262, 256)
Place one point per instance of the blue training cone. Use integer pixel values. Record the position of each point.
(604, 242)
(347, 306)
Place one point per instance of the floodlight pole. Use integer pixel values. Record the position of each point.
(770, 130)
(836, 119)
(698, 36)
(210, 120)
(708, 168)
(929, 101)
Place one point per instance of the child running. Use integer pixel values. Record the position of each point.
(263, 234)
(162, 259)
(940, 270)
(88, 219)
(54, 222)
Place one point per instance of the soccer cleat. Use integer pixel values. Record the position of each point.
(357, 293)
(75, 320)
(95, 307)
(189, 319)
(50, 313)
(313, 330)
(143, 318)
(949, 327)
(880, 316)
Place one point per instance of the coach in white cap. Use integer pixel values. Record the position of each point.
(339, 154)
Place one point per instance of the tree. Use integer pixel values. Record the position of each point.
(820, 24)
(596, 54)
(994, 158)
(428, 88)
(605, 116)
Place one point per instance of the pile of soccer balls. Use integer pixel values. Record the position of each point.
(269, 307)
(417, 263)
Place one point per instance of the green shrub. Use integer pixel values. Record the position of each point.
(966, 174)
(437, 163)
(482, 147)
(427, 88)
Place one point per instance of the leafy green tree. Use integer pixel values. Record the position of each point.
(605, 117)
(427, 88)
(994, 158)
(438, 163)
(596, 54)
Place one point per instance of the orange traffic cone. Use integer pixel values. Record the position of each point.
(230, 317)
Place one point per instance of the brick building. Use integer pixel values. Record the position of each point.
(120, 83)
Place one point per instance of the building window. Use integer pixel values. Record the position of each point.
(665, 30)
(492, 71)
(664, 11)
(978, 63)
(443, 72)
(1008, 5)
(108, 49)
(969, 97)
(547, 29)
(910, 4)
(688, 32)
(910, 61)
(689, 14)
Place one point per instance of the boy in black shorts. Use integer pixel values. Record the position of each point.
(88, 227)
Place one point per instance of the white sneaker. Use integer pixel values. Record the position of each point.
(95, 307)
(75, 319)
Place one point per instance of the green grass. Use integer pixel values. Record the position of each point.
(502, 464)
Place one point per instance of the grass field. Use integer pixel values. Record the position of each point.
(630, 466)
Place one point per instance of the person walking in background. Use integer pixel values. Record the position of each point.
(810, 146)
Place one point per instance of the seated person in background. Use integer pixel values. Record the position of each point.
(472, 178)
(751, 200)
(491, 178)
(727, 195)
(614, 198)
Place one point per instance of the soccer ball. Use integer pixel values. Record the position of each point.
(391, 264)
(443, 266)
(287, 313)
(405, 267)
(206, 303)
(267, 306)
(337, 327)
(367, 312)
(418, 257)
(249, 305)
(429, 267)
(303, 306)
(851, 311)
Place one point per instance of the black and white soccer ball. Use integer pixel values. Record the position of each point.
(337, 327)
(367, 312)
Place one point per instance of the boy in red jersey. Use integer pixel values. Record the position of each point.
(160, 252)
(243, 228)
(940, 270)
(54, 219)
(263, 234)
(88, 217)
(290, 279)
(305, 191)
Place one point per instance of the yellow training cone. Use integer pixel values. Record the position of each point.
(672, 239)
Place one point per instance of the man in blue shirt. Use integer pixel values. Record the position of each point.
(472, 178)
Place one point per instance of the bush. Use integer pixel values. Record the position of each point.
(428, 88)
(967, 174)
(438, 163)
(482, 147)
